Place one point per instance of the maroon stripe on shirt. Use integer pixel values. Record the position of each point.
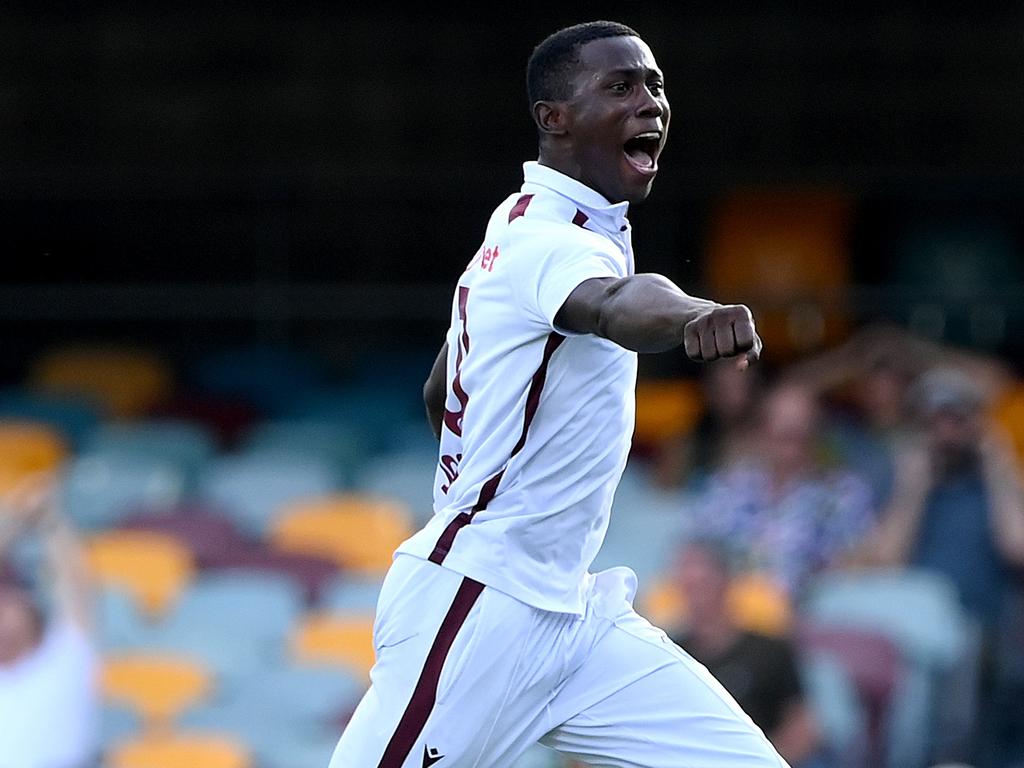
(490, 488)
(424, 695)
(580, 218)
(519, 209)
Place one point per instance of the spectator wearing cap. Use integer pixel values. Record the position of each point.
(957, 508)
(48, 665)
(956, 505)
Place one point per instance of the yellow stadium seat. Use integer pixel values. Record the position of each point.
(756, 604)
(786, 254)
(158, 687)
(666, 409)
(180, 750)
(1008, 413)
(154, 567)
(331, 639)
(360, 533)
(27, 449)
(125, 382)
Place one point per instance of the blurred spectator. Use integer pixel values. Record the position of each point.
(48, 666)
(760, 672)
(793, 512)
(866, 380)
(957, 508)
(729, 399)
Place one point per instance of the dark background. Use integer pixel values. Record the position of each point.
(318, 174)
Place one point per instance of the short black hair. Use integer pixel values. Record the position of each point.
(552, 63)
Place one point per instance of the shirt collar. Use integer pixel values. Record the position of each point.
(611, 216)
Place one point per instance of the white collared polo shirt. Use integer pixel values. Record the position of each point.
(538, 421)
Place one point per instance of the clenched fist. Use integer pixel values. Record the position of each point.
(723, 331)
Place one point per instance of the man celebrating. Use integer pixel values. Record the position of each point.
(491, 634)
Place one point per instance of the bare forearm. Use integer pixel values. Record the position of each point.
(647, 313)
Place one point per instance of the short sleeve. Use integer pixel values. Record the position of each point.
(563, 277)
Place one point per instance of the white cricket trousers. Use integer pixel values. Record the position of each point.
(468, 677)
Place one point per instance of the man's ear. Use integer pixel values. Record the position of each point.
(551, 117)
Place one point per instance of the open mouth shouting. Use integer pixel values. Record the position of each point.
(642, 152)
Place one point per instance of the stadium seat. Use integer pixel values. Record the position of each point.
(666, 409)
(159, 687)
(252, 487)
(125, 382)
(204, 529)
(253, 606)
(1008, 414)
(153, 567)
(785, 253)
(325, 639)
(278, 699)
(920, 612)
(348, 595)
(333, 443)
(371, 411)
(229, 658)
(73, 417)
(27, 449)
(98, 491)
(118, 723)
(311, 571)
(871, 661)
(180, 750)
(360, 533)
(186, 445)
(406, 475)
(119, 621)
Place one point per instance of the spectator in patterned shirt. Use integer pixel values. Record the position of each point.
(791, 512)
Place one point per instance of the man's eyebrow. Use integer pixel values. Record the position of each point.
(634, 72)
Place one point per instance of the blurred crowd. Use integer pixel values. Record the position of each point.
(840, 539)
(873, 491)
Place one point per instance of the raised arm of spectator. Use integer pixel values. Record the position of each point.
(1002, 482)
(891, 541)
(35, 504)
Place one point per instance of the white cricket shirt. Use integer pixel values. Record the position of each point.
(538, 421)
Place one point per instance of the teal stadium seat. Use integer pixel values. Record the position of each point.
(235, 621)
(187, 445)
(348, 594)
(74, 417)
(406, 475)
(332, 442)
(98, 490)
(288, 716)
(372, 412)
(252, 486)
(920, 612)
